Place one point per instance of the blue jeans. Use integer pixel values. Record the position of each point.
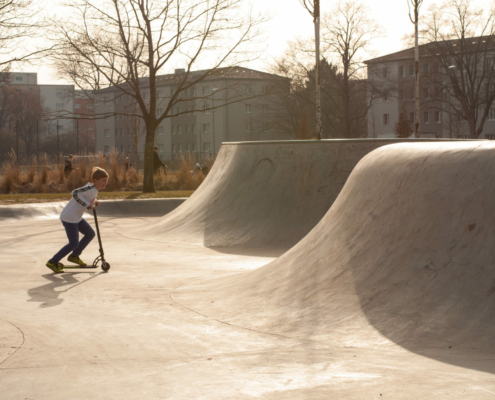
(75, 246)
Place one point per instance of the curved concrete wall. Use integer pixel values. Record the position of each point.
(267, 194)
(405, 253)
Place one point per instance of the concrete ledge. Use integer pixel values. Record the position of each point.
(107, 208)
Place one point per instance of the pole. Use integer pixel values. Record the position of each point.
(77, 136)
(37, 143)
(58, 153)
(213, 118)
(17, 145)
(317, 43)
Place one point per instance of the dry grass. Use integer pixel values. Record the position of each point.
(47, 175)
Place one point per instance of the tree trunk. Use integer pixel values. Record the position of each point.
(148, 183)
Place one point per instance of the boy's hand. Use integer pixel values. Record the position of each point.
(96, 203)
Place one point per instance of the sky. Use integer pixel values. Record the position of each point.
(290, 19)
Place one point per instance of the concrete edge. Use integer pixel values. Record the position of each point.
(107, 208)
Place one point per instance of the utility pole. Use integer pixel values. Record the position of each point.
(213, 118)
(313, 7)
(317, 43)
(17, 145)
(58, 153)
(416, 5)
(77, 136)
(37, 142)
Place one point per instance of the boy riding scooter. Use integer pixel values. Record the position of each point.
(73, 221)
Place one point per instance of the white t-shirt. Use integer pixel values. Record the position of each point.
(82, 198)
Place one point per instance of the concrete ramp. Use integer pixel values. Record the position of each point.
(265, 194)
(405, 255)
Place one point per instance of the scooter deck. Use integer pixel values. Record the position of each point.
(79, 267)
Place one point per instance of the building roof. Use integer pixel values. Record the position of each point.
(239, 73)
(425, 50)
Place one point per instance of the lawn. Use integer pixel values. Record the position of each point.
(47, 197)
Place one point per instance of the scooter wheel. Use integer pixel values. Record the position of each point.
(105, 266)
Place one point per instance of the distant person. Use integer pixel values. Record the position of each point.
(105, 159)
(73, 221)
(127, 164)
(197, 168)
(68, 165)
(157, 163)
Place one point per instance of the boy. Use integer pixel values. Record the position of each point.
(73, 221)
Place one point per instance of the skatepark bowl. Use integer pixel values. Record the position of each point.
(340, 269)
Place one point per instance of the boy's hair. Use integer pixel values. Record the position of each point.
(71, 155)
(99, 173)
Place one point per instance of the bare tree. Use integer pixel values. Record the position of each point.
(462, 49)
(20, 22)
(126, 44)
(347, 34)
(313, 7)
(414, 6)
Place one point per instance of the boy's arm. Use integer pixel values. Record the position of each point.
(80, 200)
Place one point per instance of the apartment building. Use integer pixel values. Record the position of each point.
(229, 105)
(396, 73)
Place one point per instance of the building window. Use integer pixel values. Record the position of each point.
(205, 109)
(248, 127)
(18, 78)
(160, 130)
(179, 147)
(173, 129)
(411, 94)
(437, 116)
(78, 106)
(385, 97)
(385, 119)
(177, 110)
(411, 70)
(90, 127)
(178, 128)
(426, 93)
(402, 72)
(146, 96)
(173, 147)
(248, 108)
(188, 130)
(206, 146)
(60, 106)
(427, 117)
(159, 112)
(187, 147)
(160, 148)
(206, 90)
(193, 91)
(106, 132)
(206, 128)
(412, 118)
(121, 148)
(121, 132)
(60, 94)
(491, 115)
(193, 128)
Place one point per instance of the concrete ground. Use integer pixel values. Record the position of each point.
(389, 295)
(122, 334)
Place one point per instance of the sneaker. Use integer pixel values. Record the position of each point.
(57, 268)
(76, 260)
